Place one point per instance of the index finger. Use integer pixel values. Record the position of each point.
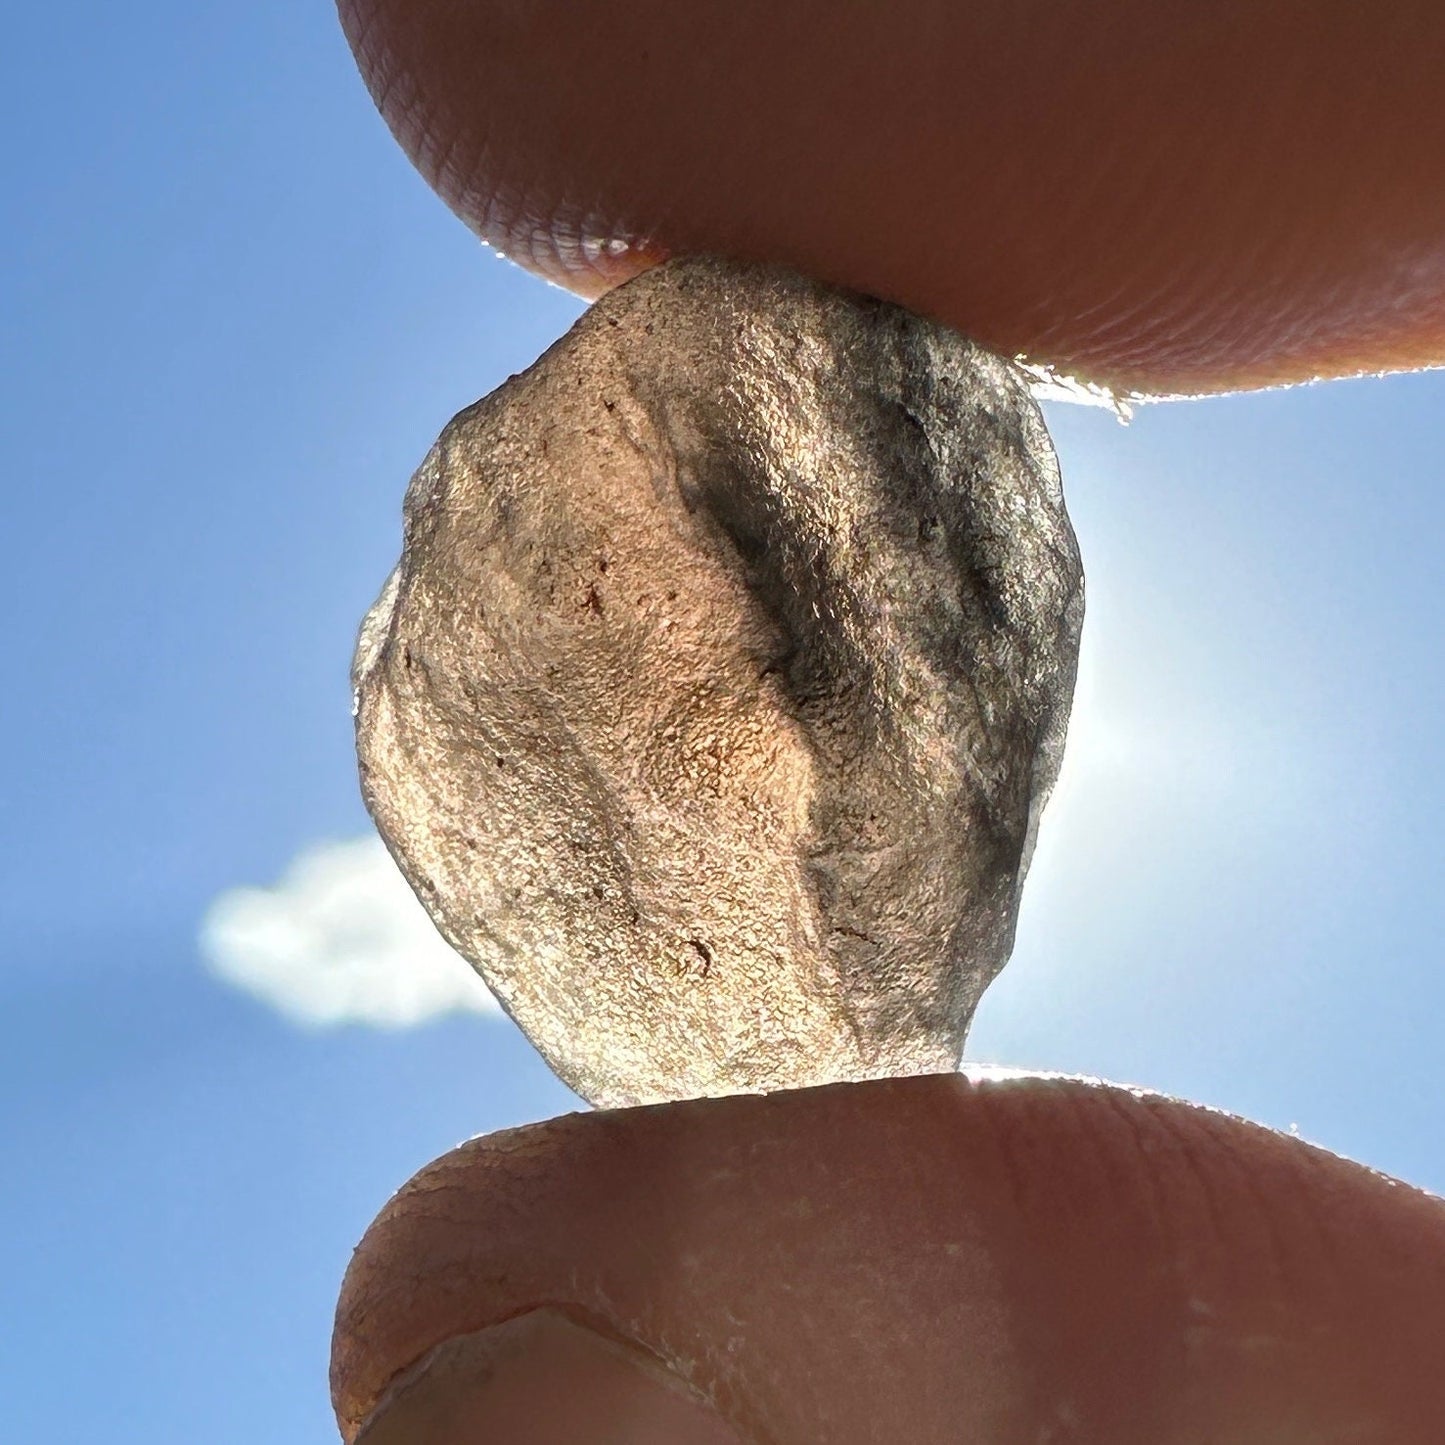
(1156, 198)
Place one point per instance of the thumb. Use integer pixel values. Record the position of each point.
(925, 1259)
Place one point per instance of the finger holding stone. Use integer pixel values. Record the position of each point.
(924, 1259)
(1159, 198)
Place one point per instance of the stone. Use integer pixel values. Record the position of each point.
(713, 704)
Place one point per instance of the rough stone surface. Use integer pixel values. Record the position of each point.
(712, 706)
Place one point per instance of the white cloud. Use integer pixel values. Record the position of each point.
(340, 939)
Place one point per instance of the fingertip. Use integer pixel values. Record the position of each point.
(1155, 199)
(930, 1257)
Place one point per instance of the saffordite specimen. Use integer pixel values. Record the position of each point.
(712, 706)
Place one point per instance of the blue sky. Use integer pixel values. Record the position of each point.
(234, 321)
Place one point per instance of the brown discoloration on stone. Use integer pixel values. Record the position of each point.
(726, 670)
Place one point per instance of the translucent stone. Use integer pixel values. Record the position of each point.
(712, 706)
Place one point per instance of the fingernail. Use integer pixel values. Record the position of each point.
(541, 1379)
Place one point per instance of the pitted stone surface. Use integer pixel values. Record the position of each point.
(713, 703)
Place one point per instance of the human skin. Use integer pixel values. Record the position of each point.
(1158, 198)
(922, 1259)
